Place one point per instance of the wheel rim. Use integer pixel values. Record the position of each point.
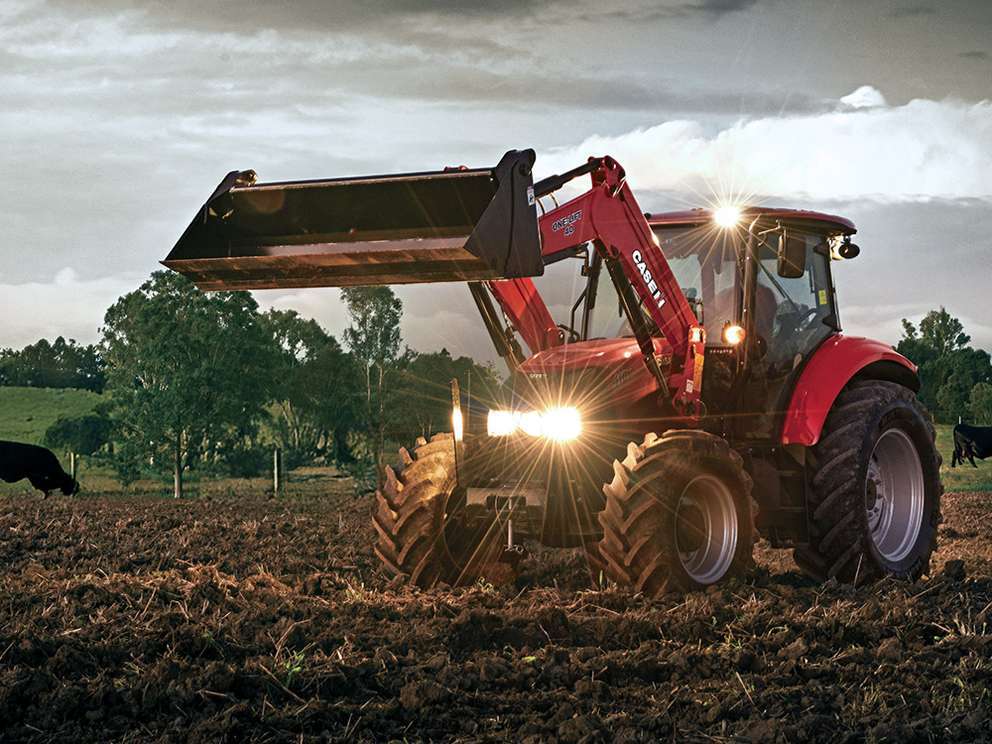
(706, 529)
(894, 495)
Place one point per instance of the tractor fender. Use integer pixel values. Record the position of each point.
(836, 362)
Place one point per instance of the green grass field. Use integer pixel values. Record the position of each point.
(25, 413)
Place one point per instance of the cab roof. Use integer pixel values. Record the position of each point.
(700, 216)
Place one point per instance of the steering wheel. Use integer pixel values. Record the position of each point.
(796, 321)
(571, 336)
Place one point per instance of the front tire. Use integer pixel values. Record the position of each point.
(420, 524)
(678, 515)
(875, 497)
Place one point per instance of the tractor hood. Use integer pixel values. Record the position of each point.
(598, 374)
(598, 353)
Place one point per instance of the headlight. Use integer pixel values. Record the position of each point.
(501, 423)
(557, 424)
(562, 424)
(532, 423)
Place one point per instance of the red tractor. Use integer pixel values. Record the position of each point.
(695, 391)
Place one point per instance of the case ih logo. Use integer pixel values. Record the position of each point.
(646, 276)
(567, 223)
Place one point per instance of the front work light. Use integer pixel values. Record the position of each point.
(457, 424)
(556, 424)
(733, 334)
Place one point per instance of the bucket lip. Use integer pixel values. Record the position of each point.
(354, 180)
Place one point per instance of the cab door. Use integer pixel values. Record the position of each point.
(791, 318)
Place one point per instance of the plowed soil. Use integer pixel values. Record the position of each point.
(253, 620)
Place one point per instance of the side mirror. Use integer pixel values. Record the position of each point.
(791, 256)
(848, 249)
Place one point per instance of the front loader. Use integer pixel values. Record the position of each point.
(696, 393)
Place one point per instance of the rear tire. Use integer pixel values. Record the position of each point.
(875, 488)
(419, 520)
(679, 514)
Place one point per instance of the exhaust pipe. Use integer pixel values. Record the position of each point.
(440, 226)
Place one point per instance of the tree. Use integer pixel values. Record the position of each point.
(942, 332)
(374, 341)
(328, 388)
(948, 367)
(189, 373)
(315, 389)
(298, 341)
(424, 399)
(964, 368)
(980, 403)
(84, 435)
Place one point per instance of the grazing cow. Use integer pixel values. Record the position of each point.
(37, 464)
(971, 442)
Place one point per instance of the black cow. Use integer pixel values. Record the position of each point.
(37, 464)
(971, 442)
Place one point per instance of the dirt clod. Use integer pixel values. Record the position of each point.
(890, 650)
(417, 695)
(954, 570)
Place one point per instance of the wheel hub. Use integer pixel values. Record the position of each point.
(691, 527)
(894, 495)
(706, 529)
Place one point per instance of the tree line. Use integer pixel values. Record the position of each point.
(59, 364)
(956, 378)
(209, 383)
(198, 382)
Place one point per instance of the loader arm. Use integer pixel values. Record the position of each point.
(527, 312)
(457, 224)
(609, 217)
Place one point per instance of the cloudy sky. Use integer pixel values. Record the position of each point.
(119, 117)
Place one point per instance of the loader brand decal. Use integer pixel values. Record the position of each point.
(567, 223)
(648, 279)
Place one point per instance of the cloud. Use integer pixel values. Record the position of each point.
(371, 17)
(655, 11)
(974, 54)
(864, 97)
(720, 7)
(63, 306)
(921, 150)
(913, 11)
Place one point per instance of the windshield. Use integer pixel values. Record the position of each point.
(566, 286)
(704, 263)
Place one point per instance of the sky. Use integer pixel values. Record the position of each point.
(119, 117)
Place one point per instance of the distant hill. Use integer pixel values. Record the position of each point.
(26, 413)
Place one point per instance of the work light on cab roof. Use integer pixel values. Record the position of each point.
(727, 216)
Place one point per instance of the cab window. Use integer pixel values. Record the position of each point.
(789, 313)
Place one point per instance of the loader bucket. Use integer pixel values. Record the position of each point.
(441, 226)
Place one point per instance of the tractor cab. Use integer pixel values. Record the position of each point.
(758, 281)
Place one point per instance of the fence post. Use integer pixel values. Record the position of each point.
(72, 465)
(276, 468)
